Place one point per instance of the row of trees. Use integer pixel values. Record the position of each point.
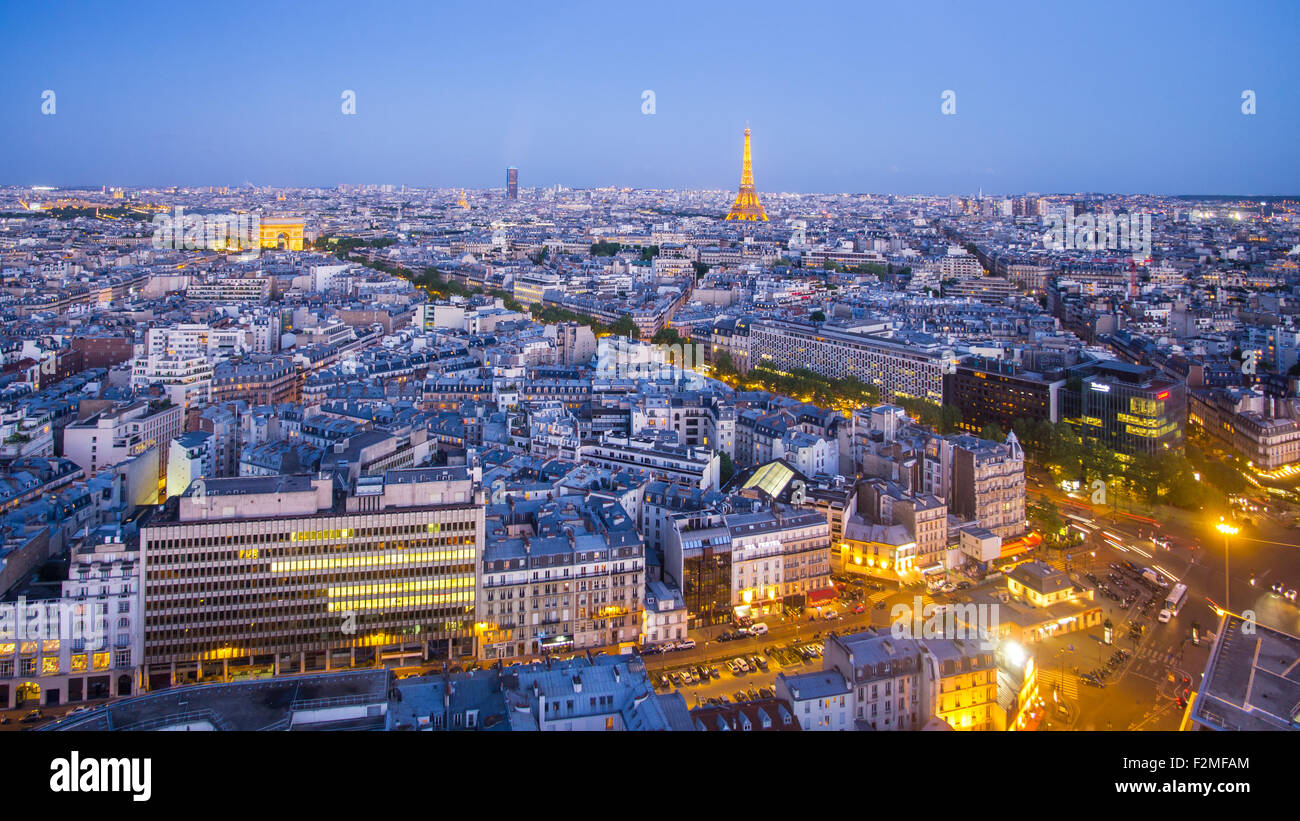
(802, 384)
(943, 418)
(605, 248)
(1186, 480)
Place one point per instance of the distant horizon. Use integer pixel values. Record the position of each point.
(1159, 97)
(761, 191)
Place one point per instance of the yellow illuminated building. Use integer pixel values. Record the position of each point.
(284, 233)
(967, 691)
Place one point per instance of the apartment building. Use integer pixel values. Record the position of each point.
(892, 680)
(662, 458)
(185, 378)
(118, 433)
(189, 456)
(559, 575)
(1263, 430)
(923, 515)
(269, 381)
(231, 289)
(779, 558)
(966, 688)
(64, 642)
(988, 484)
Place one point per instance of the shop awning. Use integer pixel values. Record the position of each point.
(823, 595)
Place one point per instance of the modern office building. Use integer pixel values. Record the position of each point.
(512, 183)
(1000, 392)
(1128, 408)
(287, 574)
(896, 368)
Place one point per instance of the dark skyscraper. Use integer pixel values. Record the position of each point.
(512, 183)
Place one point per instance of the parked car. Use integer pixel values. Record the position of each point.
(34, 715)
(743, 665)
(759, 629)
(686, 644)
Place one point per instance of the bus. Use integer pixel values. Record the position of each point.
(1174, 602)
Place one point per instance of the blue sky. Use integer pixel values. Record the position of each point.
(1096, 96)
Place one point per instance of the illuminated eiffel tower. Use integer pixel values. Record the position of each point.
(747, 207)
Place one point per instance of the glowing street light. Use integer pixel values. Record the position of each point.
(1227, 530)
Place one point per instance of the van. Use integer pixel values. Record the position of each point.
(759, 629)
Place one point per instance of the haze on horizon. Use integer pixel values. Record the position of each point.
(841, 97)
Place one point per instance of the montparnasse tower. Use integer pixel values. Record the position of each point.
(747, 207)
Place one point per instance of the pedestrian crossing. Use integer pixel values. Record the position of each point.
(1049, 679)
(1151, 654)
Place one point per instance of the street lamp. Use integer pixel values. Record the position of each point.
(1227, 530)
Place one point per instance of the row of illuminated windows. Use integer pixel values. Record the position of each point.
(49, 665)
(267, 588)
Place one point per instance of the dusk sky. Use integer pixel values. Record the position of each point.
(1098, 96)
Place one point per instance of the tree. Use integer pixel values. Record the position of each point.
(723, 365)
(818, 316)
(700, 268)
(624, 326)
(668, 336)
(605, 249)
(726, 468)
(993, 432)
(1047, 520)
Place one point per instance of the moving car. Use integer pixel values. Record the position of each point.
(759, 629)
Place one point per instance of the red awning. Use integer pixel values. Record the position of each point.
(823, 595)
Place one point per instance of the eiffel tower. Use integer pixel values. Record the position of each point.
(747, 207)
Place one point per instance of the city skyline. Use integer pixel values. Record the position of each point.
(1154, 105)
